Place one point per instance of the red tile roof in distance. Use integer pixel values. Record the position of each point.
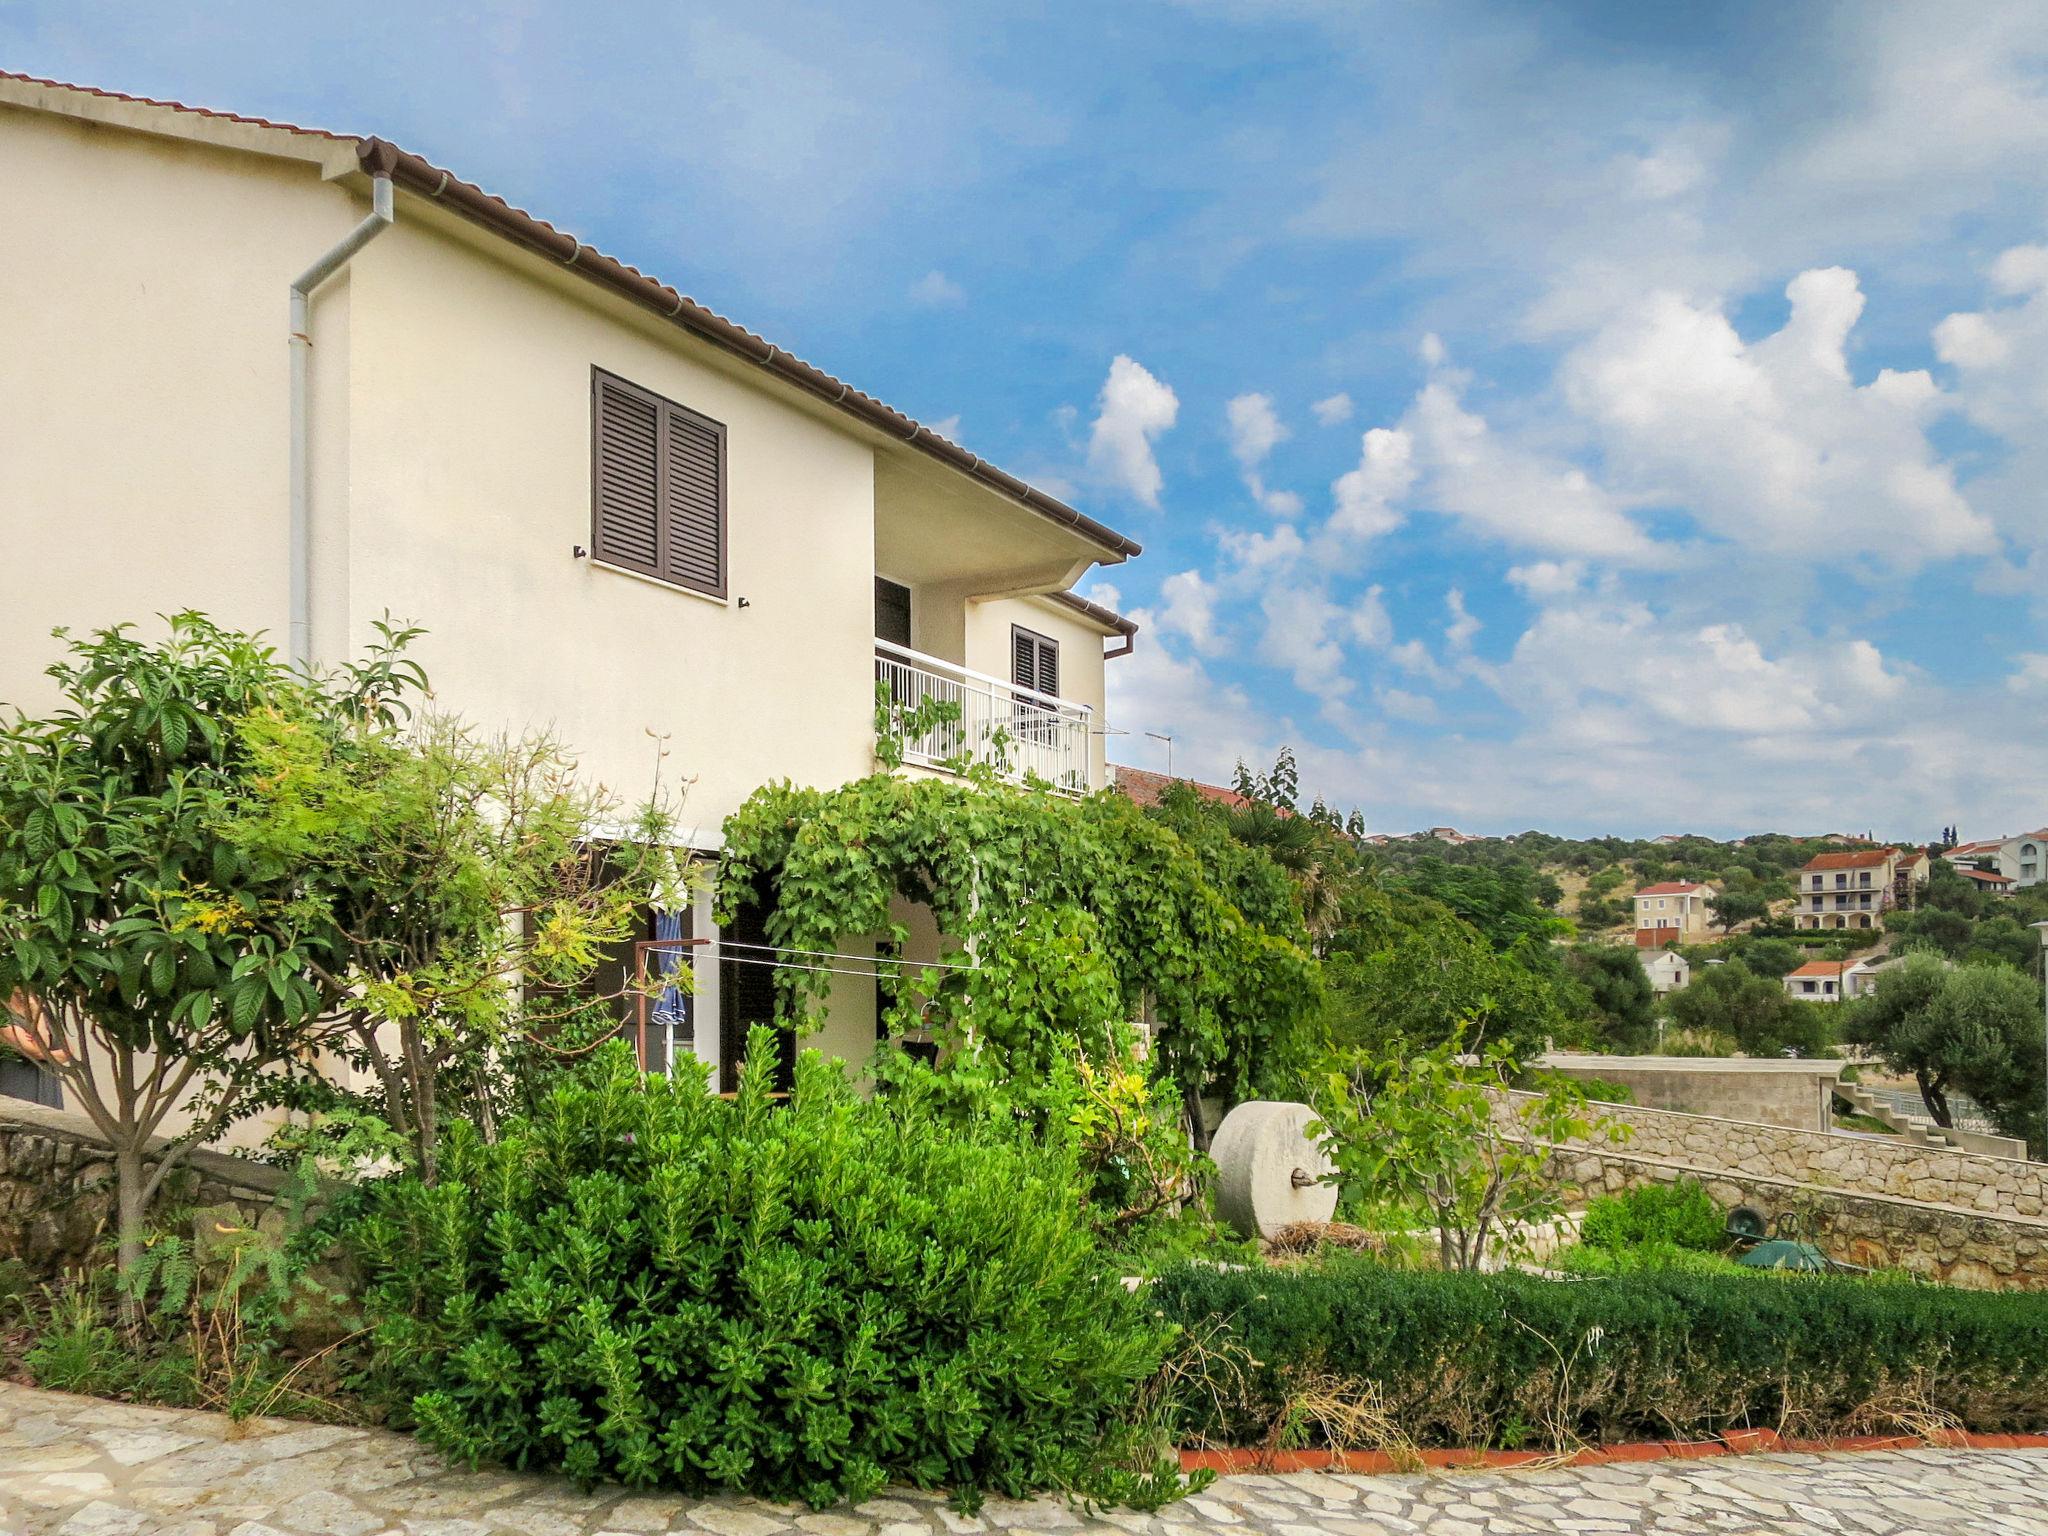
(1865, 859)
(1148, 788)
(1672, 888)
(1821, 968)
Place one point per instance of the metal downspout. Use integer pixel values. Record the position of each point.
(379, 220)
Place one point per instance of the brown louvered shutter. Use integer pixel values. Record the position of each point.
(693, 501)
(658, 489)
(626, 483)
(1034, 661)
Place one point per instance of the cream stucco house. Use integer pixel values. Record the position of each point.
(299, 380)
(1673, 910)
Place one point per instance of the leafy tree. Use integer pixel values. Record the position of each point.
(1621, 995)
(459, 874)
(1973, 1029)
(1736, 904)
(165, 975)
(1752, 1010)
(1427, 977)
(1432, 1128)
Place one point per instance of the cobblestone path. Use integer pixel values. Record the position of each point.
(74, 1466)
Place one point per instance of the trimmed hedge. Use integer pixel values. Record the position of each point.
(1511, 1360)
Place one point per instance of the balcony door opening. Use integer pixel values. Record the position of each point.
(892, 612)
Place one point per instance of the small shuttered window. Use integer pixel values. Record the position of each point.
(1034, 661)
(657, 486)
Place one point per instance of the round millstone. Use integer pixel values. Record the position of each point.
(1269, 1171)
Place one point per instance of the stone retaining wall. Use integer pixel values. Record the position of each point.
(1878, 1231)
(57, 1187)
(1867, 1165)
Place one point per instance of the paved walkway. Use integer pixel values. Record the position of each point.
(73, 1466)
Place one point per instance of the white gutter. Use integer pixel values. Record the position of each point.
(379, 220)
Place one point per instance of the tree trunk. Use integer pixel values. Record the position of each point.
(1198, 1129)
(130, 1208)
(1934, 1094)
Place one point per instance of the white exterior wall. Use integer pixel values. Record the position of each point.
(987, 640)
(145, 470)
(144, 466)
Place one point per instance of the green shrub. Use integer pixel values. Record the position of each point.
(1587, 1259)
(645, 1284)
(1499, 1359)
(1682, 1215)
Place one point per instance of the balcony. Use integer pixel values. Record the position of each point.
(1020, 732)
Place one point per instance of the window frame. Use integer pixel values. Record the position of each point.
(663, 406)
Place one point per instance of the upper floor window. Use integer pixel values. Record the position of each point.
(1034, 661)
(657, 486)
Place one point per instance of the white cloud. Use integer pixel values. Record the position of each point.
(1463, 626)
(1332, 410)
(1190, 609)
(1103, 592)
(2000, 358)
(1514, 493)
(1133, 409)
(1400, 704)
(1542, 580)
(1255, 428)
(948, 427)
(2030, 673)
(1367, 497)
(1772, 444)
(1253, 552)
(935, 290)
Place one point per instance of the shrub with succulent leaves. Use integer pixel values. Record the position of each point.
(808, 1299)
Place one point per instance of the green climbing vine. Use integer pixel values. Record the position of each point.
(1074, 911)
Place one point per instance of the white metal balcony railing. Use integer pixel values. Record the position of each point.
(1019, 731)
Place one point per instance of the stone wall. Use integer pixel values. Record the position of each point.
(1794, 1094)
(1868, 1165)
(57, 1187)
(1936, 1242)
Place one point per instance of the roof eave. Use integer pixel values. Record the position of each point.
(424, 178)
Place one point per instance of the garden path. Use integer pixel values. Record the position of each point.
(75, 1466)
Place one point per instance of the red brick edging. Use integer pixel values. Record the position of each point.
(1736, 1442)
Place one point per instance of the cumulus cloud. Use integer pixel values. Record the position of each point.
(1542, 580)
(2030, 673)
(1189, 609)
(1132, 411)
(935, 290)
(1255, 428)
(1772, 444)
(1463, 626)
(1255, 431)
(1368, 497)
(1506, 490)
(1332, 410)
(2000, 358)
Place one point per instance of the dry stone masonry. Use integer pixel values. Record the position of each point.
(1968, 1220)
(57, 1187)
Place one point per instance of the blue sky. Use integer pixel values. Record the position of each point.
(1598, 417)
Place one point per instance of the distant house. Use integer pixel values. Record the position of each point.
(1914, 870)
(2022, 858)
(1667, 970)
(1986, 880)
(1672, 910)
(1149, 788)
(1847, 890)
(1827, 981)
